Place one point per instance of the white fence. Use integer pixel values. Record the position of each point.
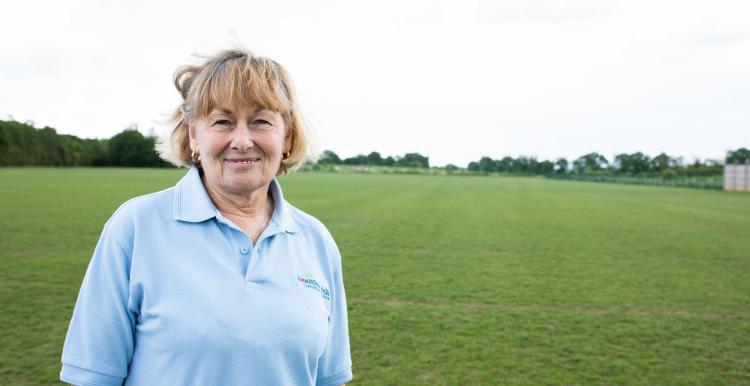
(737, 178)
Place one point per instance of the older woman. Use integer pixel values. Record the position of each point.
(218, 280)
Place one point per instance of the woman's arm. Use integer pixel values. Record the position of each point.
(99, 344)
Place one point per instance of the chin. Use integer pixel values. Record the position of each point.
(244, 182)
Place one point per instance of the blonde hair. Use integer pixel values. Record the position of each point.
(238, 77)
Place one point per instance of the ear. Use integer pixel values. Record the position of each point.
(288, 137)
(192, 134)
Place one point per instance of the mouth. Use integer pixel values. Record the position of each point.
(242, 162)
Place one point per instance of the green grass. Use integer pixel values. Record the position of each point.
(450, 280)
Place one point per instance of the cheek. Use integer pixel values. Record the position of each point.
(213, 144)
(273, 145)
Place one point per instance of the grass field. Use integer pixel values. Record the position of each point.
(450, 280)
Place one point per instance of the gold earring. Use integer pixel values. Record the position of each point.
(196, 156)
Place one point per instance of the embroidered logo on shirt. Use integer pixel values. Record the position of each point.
(311, 283)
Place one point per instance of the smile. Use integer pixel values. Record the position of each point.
(243, 162)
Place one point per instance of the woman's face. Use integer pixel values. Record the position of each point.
(240, 147)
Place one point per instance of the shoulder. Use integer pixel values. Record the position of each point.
(148, 205)
(308, 223)
(139, 212)
(313, 230)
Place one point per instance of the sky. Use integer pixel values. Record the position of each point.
(453, 80)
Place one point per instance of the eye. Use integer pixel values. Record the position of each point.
(222, 122)
(261, 122)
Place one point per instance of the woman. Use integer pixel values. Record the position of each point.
(218, 280)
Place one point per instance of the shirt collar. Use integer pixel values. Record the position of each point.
(282, 217)
(192, 203)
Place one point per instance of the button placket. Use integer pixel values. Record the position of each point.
(231, 232)
(250, 253)
(256, 270)
(250, 275)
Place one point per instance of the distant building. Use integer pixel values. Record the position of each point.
(737, 177)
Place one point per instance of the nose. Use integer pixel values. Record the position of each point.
(242, 138)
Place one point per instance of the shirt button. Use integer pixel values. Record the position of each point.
(243, 250)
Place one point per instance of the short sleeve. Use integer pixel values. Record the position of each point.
(99, 343)
(335, 365)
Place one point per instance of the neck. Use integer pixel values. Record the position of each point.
(250, 212)
(252, 204)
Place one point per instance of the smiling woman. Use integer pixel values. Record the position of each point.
(209, 282)
(236, 79)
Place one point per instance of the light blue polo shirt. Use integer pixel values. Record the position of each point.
(176, 294)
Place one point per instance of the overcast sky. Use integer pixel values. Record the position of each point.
(454, 80)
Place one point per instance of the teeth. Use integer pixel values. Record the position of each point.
(245, 162)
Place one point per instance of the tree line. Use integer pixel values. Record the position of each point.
(23, 145)
(636, 163)
(416, 160)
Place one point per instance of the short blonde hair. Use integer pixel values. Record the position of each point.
(238, 77)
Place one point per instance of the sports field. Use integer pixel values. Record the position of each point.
(450, 280)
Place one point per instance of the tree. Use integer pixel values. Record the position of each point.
(131, 148)
(662, 162)
(505, 165)
(49, 147)
(561, 166)
(590, 162)
(374, 158)
(545, 167)
(632, 163)
(739, 156)
(524, 164)
(486, 165)
(413, 160)
(329, 157)
(450, 168)
(359, 159)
